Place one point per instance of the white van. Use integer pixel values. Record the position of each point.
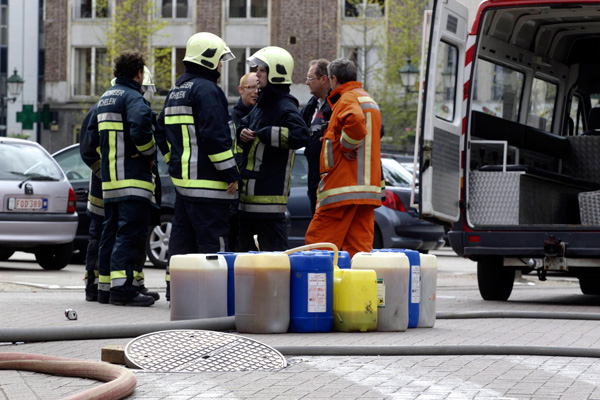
(509, 148)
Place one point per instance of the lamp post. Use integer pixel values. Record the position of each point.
(15, 86)
(408, 75)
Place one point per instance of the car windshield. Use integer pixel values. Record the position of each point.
(395, 174)
(20, 161)
(71, 163)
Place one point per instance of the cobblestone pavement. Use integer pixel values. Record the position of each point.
(343, 377)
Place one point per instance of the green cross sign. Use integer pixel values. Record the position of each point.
(46, 116)
(27, 117)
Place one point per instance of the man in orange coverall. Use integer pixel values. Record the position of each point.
(350, 187)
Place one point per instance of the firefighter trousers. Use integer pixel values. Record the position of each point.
(350, 227)
(91, 257)
(123, 246)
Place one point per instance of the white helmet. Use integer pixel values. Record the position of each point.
(278, 60)
(148, 83)
(207, 49)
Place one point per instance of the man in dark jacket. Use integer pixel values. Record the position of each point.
(201, 163)
(121, 126)
(316, 114)
(269, 134)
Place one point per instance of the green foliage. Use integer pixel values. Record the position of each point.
(402, 42)
(19, 135)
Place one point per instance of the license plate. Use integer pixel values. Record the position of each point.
(28, 204)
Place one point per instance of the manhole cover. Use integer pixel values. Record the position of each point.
(196, 350)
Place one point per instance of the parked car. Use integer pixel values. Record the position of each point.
(37, 212)
(78, 173)
(396, 224)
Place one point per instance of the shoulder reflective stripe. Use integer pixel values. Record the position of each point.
(227, 154)
(179, 120)
(365, 99)
(199, 183)
(205, 193)
(102, 117)
(178, 110)
(128, 183)
(264, 199)
(262, 208)
(369, 106)
(108, 126)
(275, 136)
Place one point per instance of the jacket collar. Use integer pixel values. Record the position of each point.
(335, 94)
(194, 70)
(121, 80)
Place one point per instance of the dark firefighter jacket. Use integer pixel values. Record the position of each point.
(266, 174)
(195, 121)
(121, 127)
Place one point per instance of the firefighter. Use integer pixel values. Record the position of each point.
(269, 135)
(121, 127)
(95, 210)
(195, 120)
(350, 187)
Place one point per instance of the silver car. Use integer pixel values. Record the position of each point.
(37, 212)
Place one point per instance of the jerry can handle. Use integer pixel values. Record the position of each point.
(317, 246)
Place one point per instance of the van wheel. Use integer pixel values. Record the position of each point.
(589, 283)
(495, 281)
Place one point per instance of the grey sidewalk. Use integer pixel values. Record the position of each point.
(407, 377)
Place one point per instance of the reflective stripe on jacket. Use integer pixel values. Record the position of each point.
(355, 123)
(195, 122)
(121, 127)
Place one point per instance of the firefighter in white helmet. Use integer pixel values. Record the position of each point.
(269, 133)
(201, 164)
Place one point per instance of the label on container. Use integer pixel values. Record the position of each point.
(380, 293)
(415, 282)
(317, 292)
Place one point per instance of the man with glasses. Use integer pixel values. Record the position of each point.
(316, 114)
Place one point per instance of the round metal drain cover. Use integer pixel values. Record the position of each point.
(195, 351)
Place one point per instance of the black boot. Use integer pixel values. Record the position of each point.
(144, 290)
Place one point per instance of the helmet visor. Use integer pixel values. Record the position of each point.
(227, 55)
(253, 61)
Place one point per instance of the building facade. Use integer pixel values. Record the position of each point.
(67, 49)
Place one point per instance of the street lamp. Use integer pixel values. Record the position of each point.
(15, 85)
(408, 75)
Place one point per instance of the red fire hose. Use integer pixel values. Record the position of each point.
(120, 382)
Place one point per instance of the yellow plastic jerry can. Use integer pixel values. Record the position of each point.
(354, 300)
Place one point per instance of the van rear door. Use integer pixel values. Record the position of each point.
(440, 146)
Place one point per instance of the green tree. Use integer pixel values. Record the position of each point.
(131, 28)
(402, 43)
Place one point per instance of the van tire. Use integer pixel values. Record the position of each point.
(589, 283)
(495, 281)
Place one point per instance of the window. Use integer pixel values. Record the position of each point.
(90, 9)
(541, 104)
(174, 9)
(445, 77)
(168, 66)
(574, 123)
(91, 72)
(248, 8)
(3, 25)
(364, 8)
(497, 90)
(237, 68)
